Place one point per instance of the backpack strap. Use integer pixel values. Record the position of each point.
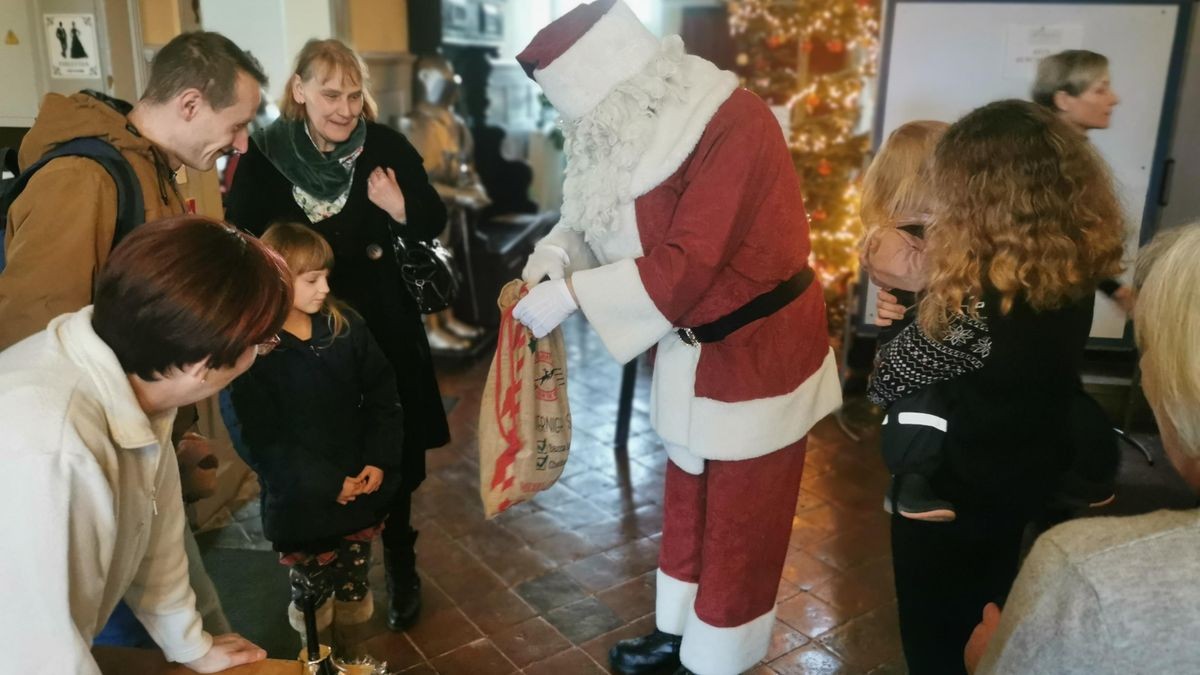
(131, 209)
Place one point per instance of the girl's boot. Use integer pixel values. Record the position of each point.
(403, 583)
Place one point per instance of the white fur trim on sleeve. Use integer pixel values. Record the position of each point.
(673, 602)
(619, 309)
(711, 650)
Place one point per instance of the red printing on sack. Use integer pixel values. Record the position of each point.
(508, 406)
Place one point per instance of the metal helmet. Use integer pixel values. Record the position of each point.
(436, 82)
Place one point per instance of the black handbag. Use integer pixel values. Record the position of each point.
(429, 273)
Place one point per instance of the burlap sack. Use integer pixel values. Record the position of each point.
(524, 420)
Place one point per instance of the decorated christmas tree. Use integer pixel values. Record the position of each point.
(815, 57)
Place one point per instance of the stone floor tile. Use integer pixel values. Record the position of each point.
(480, 657)
(632, 599)
(441, 631)
(598, 572)
(530, 641)
(810, 615)
(571, 662)
(597, 648)
(495, 611)
(395, 648)
(805, 571)
(859, 590)
(551, 590)
(870, 640)
(534, 527)
(584, 620)
(812, 660)
(784, 639)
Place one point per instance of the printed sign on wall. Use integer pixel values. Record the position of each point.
(71, 42)
(1027, 45)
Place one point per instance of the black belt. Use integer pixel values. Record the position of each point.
(764, 305)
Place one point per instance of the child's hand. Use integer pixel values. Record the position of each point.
(351, 488)
(371, 478)
(888, 309)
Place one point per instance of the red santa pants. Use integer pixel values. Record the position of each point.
(724, 541)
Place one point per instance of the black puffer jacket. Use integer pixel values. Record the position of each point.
(314, 412)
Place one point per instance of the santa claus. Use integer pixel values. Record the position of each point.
(683, 229)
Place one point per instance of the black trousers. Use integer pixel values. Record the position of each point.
(945, 574)
(398, 535)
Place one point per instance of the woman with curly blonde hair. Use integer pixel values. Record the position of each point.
(1025, 225)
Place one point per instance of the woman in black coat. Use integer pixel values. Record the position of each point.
(326, 164)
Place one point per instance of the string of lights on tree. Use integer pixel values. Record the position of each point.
(815, 56)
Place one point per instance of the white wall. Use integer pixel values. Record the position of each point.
(272, 30)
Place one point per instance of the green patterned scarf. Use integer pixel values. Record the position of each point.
(287, 144)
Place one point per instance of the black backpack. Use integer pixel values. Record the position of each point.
(131, 210)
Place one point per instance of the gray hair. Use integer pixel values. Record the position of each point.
(1072, 71)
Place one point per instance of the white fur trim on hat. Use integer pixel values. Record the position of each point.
(615, 49)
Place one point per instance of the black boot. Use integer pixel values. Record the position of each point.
(654, 653)
(403, 584)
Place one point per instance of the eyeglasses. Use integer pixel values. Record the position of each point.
(264, 348)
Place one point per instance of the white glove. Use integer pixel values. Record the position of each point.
(545, 307)
(546, 260)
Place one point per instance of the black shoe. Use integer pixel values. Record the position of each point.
(654, 653)
(915, 499)
(403, 586)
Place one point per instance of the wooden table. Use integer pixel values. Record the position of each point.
(123, 661)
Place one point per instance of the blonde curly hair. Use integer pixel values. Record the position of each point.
(1025, 207)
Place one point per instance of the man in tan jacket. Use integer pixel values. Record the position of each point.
(203, 92)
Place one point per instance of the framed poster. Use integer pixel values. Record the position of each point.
(71, 43)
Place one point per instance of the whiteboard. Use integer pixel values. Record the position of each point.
(943, 59)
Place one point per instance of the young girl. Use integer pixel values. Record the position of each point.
(960, 341)
(322, 425)
(1025, 224)
(897, 203)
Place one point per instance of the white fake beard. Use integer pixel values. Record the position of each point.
(604, 146)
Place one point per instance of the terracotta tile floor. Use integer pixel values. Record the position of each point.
(549, 586)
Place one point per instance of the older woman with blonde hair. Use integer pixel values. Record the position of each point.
(1025, 224)
(328, 164)
(1120, 595)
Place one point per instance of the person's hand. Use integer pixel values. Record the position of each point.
(546, 260)
(981, 636)
(1124, 298)
(384, 192)
(197, 467)
(887, 309)
(371, 477)
(352, 487)
(227, 651)
(545, 307)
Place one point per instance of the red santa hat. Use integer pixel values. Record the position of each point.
(580, 57)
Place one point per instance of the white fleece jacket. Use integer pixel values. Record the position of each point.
(90, 497)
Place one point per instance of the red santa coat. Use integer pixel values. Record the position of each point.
(718, 219)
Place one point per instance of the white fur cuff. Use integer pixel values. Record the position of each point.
(673, 603)
(709, 650)
(619, 309)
